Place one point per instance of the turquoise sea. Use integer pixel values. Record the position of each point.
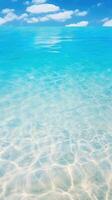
(55, 113)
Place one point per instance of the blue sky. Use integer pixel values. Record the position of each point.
(56, 12)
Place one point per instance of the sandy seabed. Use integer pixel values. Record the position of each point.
(56, 138)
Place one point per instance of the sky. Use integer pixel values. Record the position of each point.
(70, 13)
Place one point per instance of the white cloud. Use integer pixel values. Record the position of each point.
(38, 1)
(26, 3)
(2, 21)
(32, 20)
(108, 23)
(44, 19)
(34, 11)
(105, 19)
(35, 2)
(23, 16)
(42, 8)
(83, 13)
(79, 24)
(10, 16)
(61, 16)
(99, 4)
(46, 8)
(7, 10)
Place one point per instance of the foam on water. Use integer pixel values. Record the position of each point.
(56, 116)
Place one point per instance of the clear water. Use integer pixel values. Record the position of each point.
(55, 113)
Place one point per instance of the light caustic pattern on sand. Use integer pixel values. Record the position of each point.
(55, 138)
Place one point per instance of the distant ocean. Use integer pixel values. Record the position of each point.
(55, 113)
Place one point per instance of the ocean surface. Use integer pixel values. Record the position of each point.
(55, 113)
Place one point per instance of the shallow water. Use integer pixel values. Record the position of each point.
(55, 113)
